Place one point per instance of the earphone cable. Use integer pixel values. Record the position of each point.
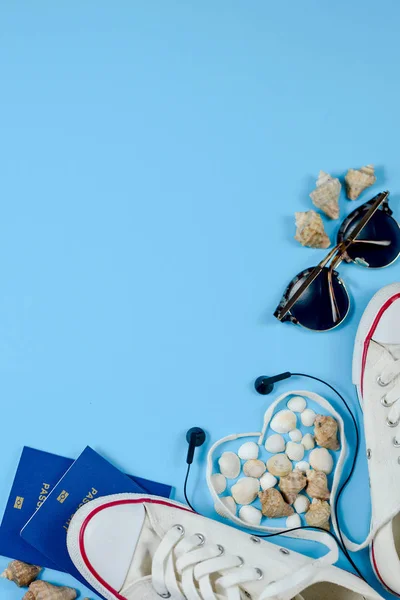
(185, 488)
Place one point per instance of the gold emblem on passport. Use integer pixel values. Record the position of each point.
(19, 500)
(63, 496)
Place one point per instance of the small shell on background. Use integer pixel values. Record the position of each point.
(308, 441)
(291, 485)
(245, 490)
(317, 485)
(254, 468)
(284, 421)
(358, 180)
(251, 515)
(22, 574)
(301, 504)
(218, 482)
(302, 466)
(228, 509)
(310, 230)
(41, 590)
(308, 417)
(248, 450)
(293, 521)
(321, 460)
(275, 443)
(229, 465)
(326, 432)
(297, 404)
(326, 195)
(268, 481)
(273, 504)
(296, 435)
(279, 465)
(295, 451)
(318, 514)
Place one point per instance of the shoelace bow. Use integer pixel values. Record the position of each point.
(388, 376)
(189, 568)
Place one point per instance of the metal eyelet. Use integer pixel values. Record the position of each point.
(260, 573)
(390, 424)
(385, 403)
(181, 531)
(369, 453)
(201, 538)
(255, 539)
(166, 595)
(284, 551)
(396, 442)
(380, 382)
(241, 562)
(221, 550)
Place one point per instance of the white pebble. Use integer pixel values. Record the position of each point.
(229, 465)
(308, 441)
(301, 504)
(275, 443)
(251, 515)
(228, 509)
(284, 421)
(218, 482)
(321, 460)
(268, 481)
(295, 451)
(302, 466)
(308, 417)
(295, 435)
(293, 521)
(248, 451)
(297, 404)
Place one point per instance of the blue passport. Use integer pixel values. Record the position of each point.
(37, 473)
(90, 476)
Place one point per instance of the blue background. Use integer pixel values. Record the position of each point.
(152, 156)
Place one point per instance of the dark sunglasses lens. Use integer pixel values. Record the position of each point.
(314, 308)
(383, 230)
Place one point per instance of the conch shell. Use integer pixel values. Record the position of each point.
(326, 431)
(317, 485)
(22, 574)
(41, 590)
(273, 504)
(358, 180)
(318, 514)
(326, 195)
(291, 485)
(310, 230)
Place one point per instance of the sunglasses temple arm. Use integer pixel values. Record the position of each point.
(335, 308)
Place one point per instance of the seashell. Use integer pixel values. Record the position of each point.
(310, 230)
(248, 450)
(321, 460)
(251, 515)
(358, 180)
(308, 441)
(284, 421)
(302, 466)
(308, 417)
(229, 465)
(229, 507)
(291, 485)
(279, 465)
(301, 504)
(268, 481)
(326, 195)
(218, 482)
(275, 443)
(317, 485)
(296, 435)
(22, 574)
(297, 404)
(254, 468)
(245, 490)
(273, 504)
(293, 521)
(326, 432)
(318, 514)
(295, 451)
(41, 590)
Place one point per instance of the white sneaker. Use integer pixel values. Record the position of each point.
(134, 547)
(376, 373)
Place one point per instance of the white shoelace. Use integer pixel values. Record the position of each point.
(388, 376)
(189, 568)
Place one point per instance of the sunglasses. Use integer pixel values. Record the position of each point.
(317, 298)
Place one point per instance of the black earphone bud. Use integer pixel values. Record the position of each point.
(264, 385)
(195, 437)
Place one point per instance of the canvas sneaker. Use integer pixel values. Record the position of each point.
(376, 374)
(134, 547)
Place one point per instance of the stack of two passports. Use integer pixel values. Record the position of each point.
(47, 491)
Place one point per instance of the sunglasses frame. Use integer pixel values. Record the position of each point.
(335, 257)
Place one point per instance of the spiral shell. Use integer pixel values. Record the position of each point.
(291, 485)
(21, 573)
(41, 590)
(317, 485)
(318, 514)
(326, 195)
(358, 180)
(273, 504)
(310, 230)
(326, 432)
